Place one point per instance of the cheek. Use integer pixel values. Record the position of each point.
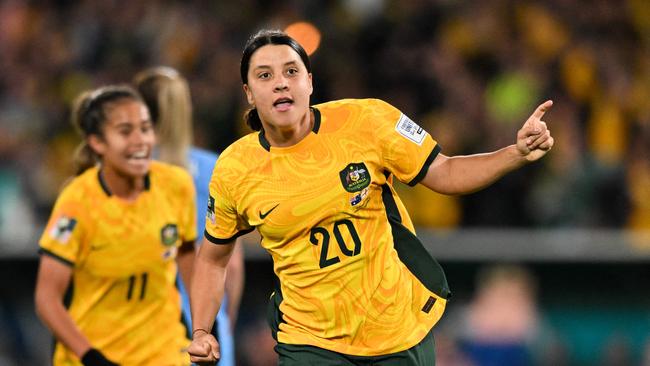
(150, 137)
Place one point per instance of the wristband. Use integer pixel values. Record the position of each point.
(95, 358)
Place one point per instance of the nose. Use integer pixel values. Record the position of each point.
(140, 137)
(281, 84)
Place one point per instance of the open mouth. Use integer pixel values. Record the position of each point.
(282, 104)
(139, 156)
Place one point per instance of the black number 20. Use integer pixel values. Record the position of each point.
(325, 239)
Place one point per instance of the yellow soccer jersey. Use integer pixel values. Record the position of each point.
(124, 297)
(354, 278)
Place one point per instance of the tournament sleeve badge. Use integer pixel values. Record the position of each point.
(62, 229)
(211, 211)
(409, 129)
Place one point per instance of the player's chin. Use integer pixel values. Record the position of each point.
(138, 169)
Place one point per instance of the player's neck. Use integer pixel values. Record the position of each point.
(285, 137)
(120, 185)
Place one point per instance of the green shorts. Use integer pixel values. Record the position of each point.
(422, 354)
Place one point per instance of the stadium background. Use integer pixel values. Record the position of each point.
(469, 72)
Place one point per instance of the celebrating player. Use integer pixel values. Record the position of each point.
(114, 235)
(355, 286)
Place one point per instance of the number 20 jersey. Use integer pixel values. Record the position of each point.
(353, 277)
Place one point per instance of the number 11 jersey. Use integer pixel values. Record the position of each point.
(122, 254)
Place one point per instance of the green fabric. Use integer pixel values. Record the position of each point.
(422, 354)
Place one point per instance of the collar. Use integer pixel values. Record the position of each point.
(267, 146)
(102, 182)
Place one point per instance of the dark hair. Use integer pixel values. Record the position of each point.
(89, 116)
(262, 38)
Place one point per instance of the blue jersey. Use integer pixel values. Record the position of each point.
(201, 166)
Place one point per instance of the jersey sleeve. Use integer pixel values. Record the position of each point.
(407, 150)
(63, 237)
(223, 223)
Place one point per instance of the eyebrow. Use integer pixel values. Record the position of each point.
(130, 123)
(289, 63)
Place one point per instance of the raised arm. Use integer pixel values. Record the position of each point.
(470, 173)
(206, 292)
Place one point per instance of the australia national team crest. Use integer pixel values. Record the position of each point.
(169, 234)
(355, 177)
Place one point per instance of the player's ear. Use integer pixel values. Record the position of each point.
(311, 85)
(97, 143)
(249, 95)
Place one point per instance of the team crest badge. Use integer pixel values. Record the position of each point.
(169, 234)
(355, 177)
(62, 230)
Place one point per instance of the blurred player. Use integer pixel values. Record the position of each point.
(115, 234)
(355, 286)
(167, 95)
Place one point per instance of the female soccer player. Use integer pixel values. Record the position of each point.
(114, 234)
(167, 95)
(355, 284)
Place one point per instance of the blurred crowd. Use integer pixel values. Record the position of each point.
(470, 72)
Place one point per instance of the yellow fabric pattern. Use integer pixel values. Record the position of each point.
(123, 258)
(319, 208)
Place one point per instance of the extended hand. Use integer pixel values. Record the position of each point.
(204, 349)
(534, 140)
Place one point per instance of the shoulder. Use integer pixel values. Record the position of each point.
(354, 104)
(244, 150)
(239, 160)
(81, 187)
(79, 193)
(364, 114)
(168, 174)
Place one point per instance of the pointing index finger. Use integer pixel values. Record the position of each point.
(541, 109)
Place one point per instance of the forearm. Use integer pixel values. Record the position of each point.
(185, 262)
(235, 282)
(58, 320)
(470, 173)
(207, 288)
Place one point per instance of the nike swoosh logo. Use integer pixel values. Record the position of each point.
(98, 246)
(264, 215)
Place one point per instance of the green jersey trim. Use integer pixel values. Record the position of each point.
(411, 251)
(423, 172)
(221, 241)
(55, 256)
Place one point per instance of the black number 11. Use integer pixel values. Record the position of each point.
(143, 286)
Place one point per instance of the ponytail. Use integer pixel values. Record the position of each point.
(252, 119)
(84, 158)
